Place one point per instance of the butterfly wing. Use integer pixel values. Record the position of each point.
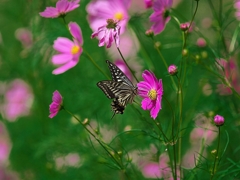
(118, 75)
(110, 88)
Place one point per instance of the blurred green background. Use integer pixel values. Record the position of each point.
(44, 149)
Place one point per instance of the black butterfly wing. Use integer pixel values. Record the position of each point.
(110, 88)
(118, 75)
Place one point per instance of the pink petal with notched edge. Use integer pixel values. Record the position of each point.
(50, 12)
(65, 67)
(73, 5)
(62, 6)
(155, 109)
(76, 32)
(63, 45)
(57, 97)
(61, 58)
(149, 78)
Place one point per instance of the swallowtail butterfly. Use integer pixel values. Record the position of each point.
(120, 89)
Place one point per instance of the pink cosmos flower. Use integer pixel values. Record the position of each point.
(151, 90)
(70, 51)
(160, 16)
(62, 8)
(237, 6)
(101, 10)
(108, 33)
(18, 100)
(56, 105)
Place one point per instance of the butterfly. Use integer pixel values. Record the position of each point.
(120, 89)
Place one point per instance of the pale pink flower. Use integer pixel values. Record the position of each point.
(101, 10)
(151, 90)
(218, 120)
(129, 46)
(237, 7)
(18, 100)
(61, 9)
(160, 16)
(108, 33)
(69, 160)
(123, 67)
(70, 51)
(202, 135)
(56, 105)
(24, 35)
(159, 170)
(201, 42)
(231, 74)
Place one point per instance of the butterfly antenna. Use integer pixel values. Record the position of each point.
(113, 115)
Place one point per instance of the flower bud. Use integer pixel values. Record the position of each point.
(219, 120)
(184, 52)
(172, 69)
(149, 33)
(148, 3)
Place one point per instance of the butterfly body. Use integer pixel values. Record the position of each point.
(120, 88)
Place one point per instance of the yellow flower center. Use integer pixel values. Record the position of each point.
(152, 94)
(75, 49)
(118, 16)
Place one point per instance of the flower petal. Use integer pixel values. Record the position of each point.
(63, 45)
(57, 97)
(65, 67)
(50, 12)
(61, 58)
(155, 109)
(76, 32)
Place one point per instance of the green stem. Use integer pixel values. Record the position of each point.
(127, 64)
(216, 157)
(179, 131)
(234, 39)
(165, 63)
(97, 139)
(173, 141)
(95, 64)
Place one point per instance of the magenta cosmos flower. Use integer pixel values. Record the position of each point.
(101, 10)
(69, 51)
(160, 16)
(61, 9)
(108, 34)
(151, 90)
(56, 105)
